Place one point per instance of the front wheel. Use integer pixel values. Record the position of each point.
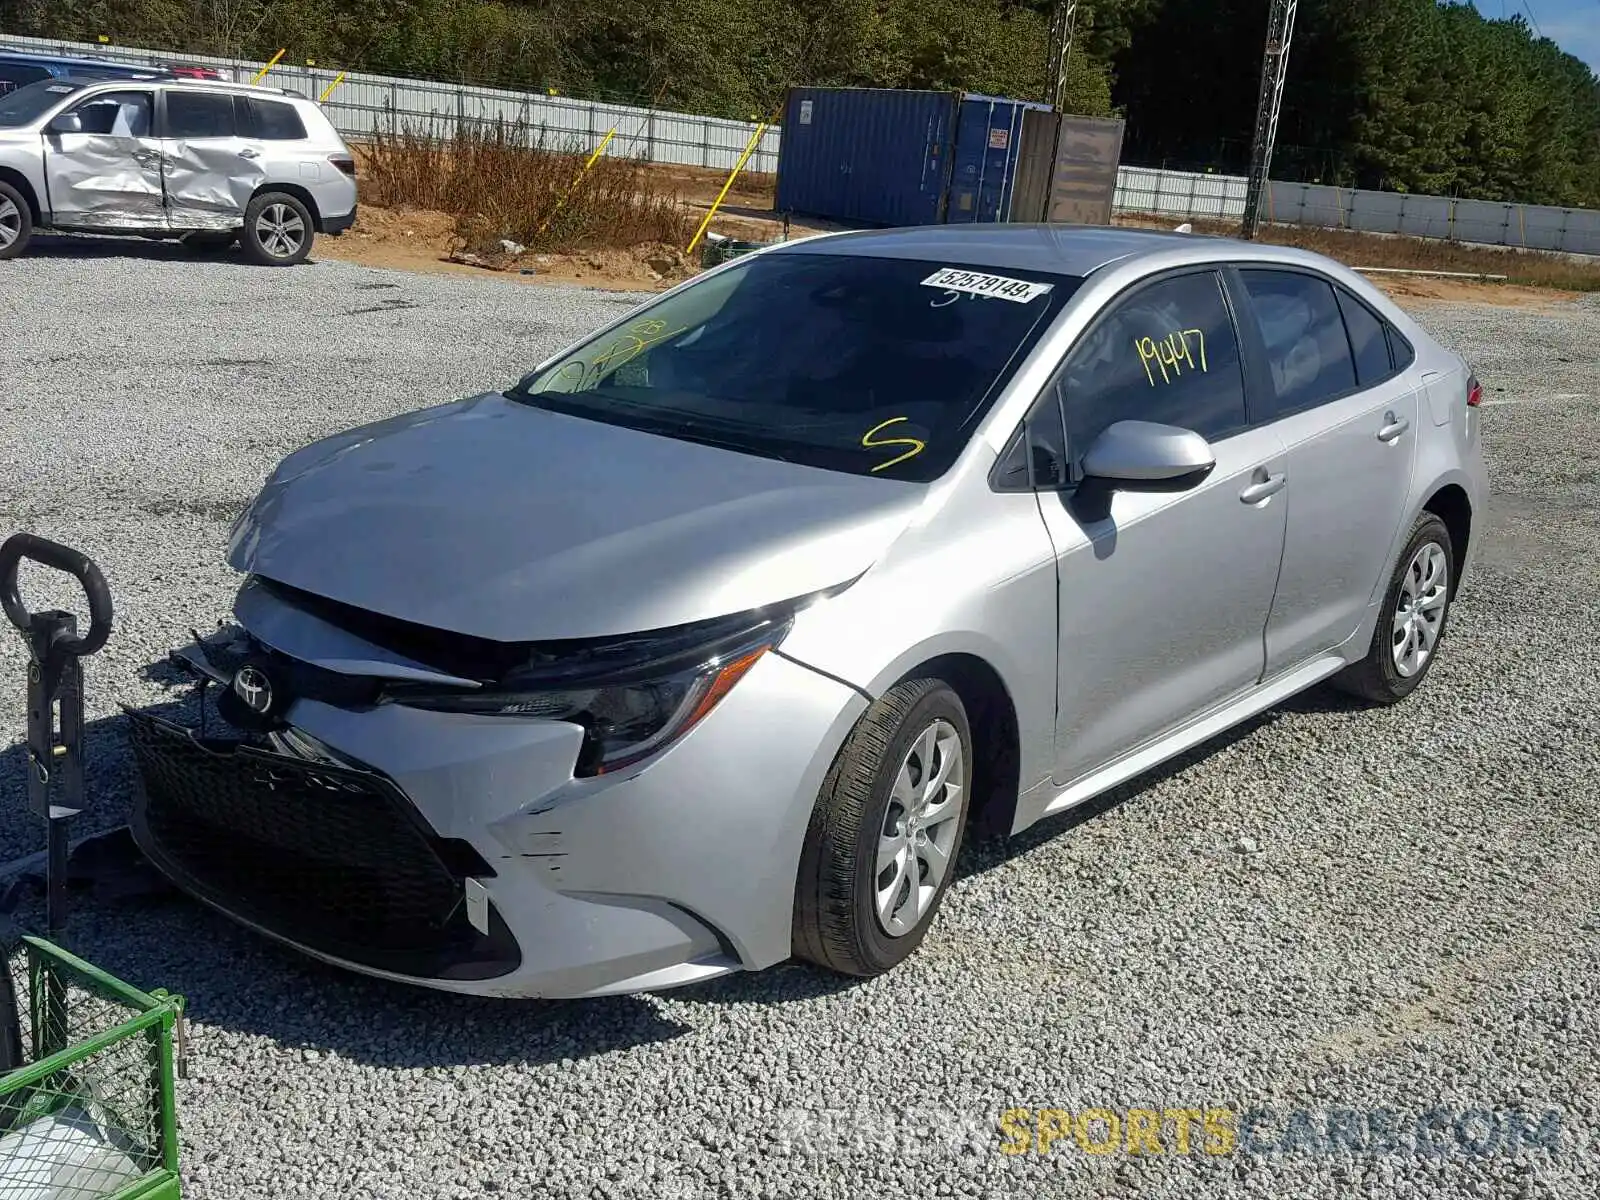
(16, 222)
(277, 230)
(1411, 623)
(881, 848)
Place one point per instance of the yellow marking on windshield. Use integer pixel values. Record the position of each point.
(1172, 352)
(917, 446)
(641, 335)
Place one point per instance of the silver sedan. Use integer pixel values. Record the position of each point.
(703, 645)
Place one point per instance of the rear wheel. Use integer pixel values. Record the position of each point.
(881, 848)
(1412, 622)
(16, 222)
(277, 230)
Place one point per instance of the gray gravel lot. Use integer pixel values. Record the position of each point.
(1330, 909)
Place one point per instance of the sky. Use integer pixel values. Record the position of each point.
(1574, 25)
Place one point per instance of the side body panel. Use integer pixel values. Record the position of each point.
(1347, 509)
(107, 180)
(1163, 602)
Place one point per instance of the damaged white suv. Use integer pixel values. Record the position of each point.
(208, 163)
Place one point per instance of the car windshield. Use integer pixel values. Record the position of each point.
(27, 103)
(874, 366)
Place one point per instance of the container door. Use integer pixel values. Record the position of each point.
(1030, 187)
(1088, 155)
(986, 144)
(867, 156)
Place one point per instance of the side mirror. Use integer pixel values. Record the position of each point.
(67, 123)
(1143, 454)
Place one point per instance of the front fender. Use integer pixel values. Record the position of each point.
(988, 592)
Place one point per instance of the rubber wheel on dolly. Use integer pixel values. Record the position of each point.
(16, 222)
(278, 230)
(1412, 622)
(881, 848)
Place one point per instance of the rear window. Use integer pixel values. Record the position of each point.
(873, 366)
(274, 121)
(32, 100)
(16, 75)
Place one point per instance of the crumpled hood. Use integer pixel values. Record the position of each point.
(497, 519)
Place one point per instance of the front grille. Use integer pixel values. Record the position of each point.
(334, 858)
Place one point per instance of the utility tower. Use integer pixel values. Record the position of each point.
(1274, 69)
(1061, 19)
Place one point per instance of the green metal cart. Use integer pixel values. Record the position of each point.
(87, 1110)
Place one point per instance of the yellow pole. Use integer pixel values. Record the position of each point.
(573, 186)
(749, 149)
(323, 99)
(269, 66)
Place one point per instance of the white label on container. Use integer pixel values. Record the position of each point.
(954, 279)
(805, 112)
(999, 139)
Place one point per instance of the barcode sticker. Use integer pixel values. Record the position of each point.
(953, 279)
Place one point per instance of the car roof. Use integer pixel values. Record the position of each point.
(1063, 249)
(227, 85)
(170, 82)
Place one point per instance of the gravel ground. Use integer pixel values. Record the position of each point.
(1331, 909)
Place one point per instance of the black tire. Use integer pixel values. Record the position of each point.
(1376, 678)
(250, 237)
(201, 244)
(20, 226)
(836, 923)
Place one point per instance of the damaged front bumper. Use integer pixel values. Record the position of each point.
(460, 852)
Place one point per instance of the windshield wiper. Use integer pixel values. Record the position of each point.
(707, 431)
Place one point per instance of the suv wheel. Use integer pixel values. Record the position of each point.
(16, 222)
(1411, 627)
(881, 848)
(277, 230)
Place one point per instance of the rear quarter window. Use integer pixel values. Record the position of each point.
(275, 121)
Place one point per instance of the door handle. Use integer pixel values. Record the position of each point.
(1395, 427)
(1262, 488)
(248, 153)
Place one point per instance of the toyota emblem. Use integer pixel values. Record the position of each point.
(252, 686)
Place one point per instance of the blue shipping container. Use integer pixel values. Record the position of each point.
(880, 156)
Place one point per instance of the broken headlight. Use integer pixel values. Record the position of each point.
(627, 713)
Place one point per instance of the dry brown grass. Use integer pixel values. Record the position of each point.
(508, 180)
(1529, 268)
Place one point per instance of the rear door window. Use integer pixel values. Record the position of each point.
(1303, 332)
(1368, 340)
(1167, 353)
(199, 115)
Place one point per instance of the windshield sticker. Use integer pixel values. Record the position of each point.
(1173, 351)
(1019, 291)
(917, 446)
(59, 89)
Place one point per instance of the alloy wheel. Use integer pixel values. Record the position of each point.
(1419, 609)
(280, 230)
(10, 222)
(919, 828)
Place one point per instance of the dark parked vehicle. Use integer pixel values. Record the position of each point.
(19, 69)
